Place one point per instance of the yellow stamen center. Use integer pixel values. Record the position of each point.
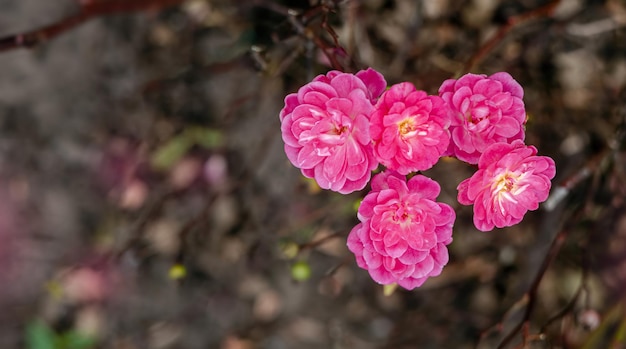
(407, 127)
(504, 182)
(505, 187)
(340, 129)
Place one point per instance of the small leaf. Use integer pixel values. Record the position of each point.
(388, 290)
(290, 250)
(172, 151)
(356, 204)
(619, 339)
(177, 272)
(77, 340)
(205, 137)
(311, 186)
(39, 336)
(301, 271)
(54, 288)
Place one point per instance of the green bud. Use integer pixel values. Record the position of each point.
(301, 271)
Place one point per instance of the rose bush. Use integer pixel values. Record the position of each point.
(340, 126)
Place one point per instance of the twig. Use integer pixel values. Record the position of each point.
(555, 247)
(193, 223)
(563, 189)
(320, 241)
(570, 305)
(512, 22)
(531, 294)
(301, 22)
(136, 233)
(88, 9)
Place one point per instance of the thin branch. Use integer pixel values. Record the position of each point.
(88, 9)
(571, 304)
(135, 235)
(303, 23)
(320, 241)
(512, 22)
(555, 247)
(566, 185)
(531, 294)
(196, 221)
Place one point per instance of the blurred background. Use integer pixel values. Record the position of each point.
(146, 201)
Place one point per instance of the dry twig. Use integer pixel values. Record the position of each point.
(88, 9)
(512, 23)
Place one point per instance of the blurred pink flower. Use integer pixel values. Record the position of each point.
(483, 111)
(403, 232)
(510, 180)
(216, 171)
(84, 285)
(325, 127)
(409, 129)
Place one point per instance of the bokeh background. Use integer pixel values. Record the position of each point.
(146, 202)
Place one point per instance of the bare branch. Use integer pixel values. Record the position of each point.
(88, 9)
(513, 22)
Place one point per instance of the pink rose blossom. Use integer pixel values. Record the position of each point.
(403, 232)
(325, 127)
(409, 129)
(510, 180)
(483, 111)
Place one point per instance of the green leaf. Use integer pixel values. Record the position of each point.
(77, 340)
(301, 271)
(289, 249)
(356, 204)
(172, 151)
(177, 271)
(205, 137)
(40, 336)
(388, 290)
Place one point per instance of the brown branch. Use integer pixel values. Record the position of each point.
(88, 9)
(329, 52)
(531, 294)
(555, 247)
(512, 22)
(303, 23)
(565, 186)
(568, 308)
(300, 24)
(201, 218)
(320, 241)
(135, 236)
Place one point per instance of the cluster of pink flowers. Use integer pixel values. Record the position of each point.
(340, 127)
(487, 125)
